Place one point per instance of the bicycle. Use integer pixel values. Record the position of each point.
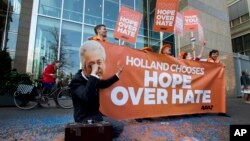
(29, 96)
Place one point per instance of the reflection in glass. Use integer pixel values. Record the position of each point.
(128, 3)
(111, 11)
(141, 42)
(141, 6)
(70, 43)
(8, 33)
(93, 12)
(88, 32)
(46, 43)
(110, 37)
(14, 22)
(73, 10)
(15, 6)
(11, 44)
(50, 7)
(154, 39)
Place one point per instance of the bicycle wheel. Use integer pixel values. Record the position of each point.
(22, 102)
(64, 98)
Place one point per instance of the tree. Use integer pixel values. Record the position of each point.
(54, 46)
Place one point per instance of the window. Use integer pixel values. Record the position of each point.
(73, 10)
(50, 7)
(12, 26)
(141, 6)
(46, 43)
(110, 37)
(245, 17)
(128, 3)
(93, 12)
(141, 42)
(247, 42)
(11, 44)
(88, 32)
(111, 14)
(70, 44)
(14, 22)
(236, 21)
(237, 45)
(152, 34)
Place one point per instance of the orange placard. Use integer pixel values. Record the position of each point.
(179, 24)
(165, 13)
(155, 85)
(127, 25)
(190, 20)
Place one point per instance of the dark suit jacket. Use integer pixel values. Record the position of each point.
(85, 96)
(244, 79)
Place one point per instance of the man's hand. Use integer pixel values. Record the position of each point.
(94, 68)
(120, 68)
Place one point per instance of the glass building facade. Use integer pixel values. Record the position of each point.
(36, 32)
(60, 26)
(9, 22)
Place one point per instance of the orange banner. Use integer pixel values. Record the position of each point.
(190, 20)
(155, 85)
(165, 13)
(127, 25)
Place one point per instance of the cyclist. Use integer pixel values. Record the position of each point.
(49, 77)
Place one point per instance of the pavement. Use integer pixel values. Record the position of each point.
(47, 124)
(238, 110)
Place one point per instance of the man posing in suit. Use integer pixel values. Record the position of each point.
(86, 84)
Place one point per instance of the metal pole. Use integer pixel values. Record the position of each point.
(161, 41)
(179, 46)
(175, 47)
(192, 43)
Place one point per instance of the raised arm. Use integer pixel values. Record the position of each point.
(113, 79)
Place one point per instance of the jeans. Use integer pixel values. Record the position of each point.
(117, 126)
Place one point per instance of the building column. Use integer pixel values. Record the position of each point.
(20, 61)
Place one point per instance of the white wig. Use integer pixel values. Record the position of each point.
(91, 46)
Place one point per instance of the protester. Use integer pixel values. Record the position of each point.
(87, 82)
(147, 49)
(166, 49)
(49, 75)
(188, 56)
(213, 56)
(101, 33)
(49, 79)
(245, 84)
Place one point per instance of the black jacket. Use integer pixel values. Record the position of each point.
(85, 96)
(245, 80)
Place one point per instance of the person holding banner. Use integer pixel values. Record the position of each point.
(86, 84)
(166, 49)
(147, 49)
(188, 56)
(101, 33)
(213, 56)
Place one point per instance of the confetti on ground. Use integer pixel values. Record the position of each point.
(178, 128)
